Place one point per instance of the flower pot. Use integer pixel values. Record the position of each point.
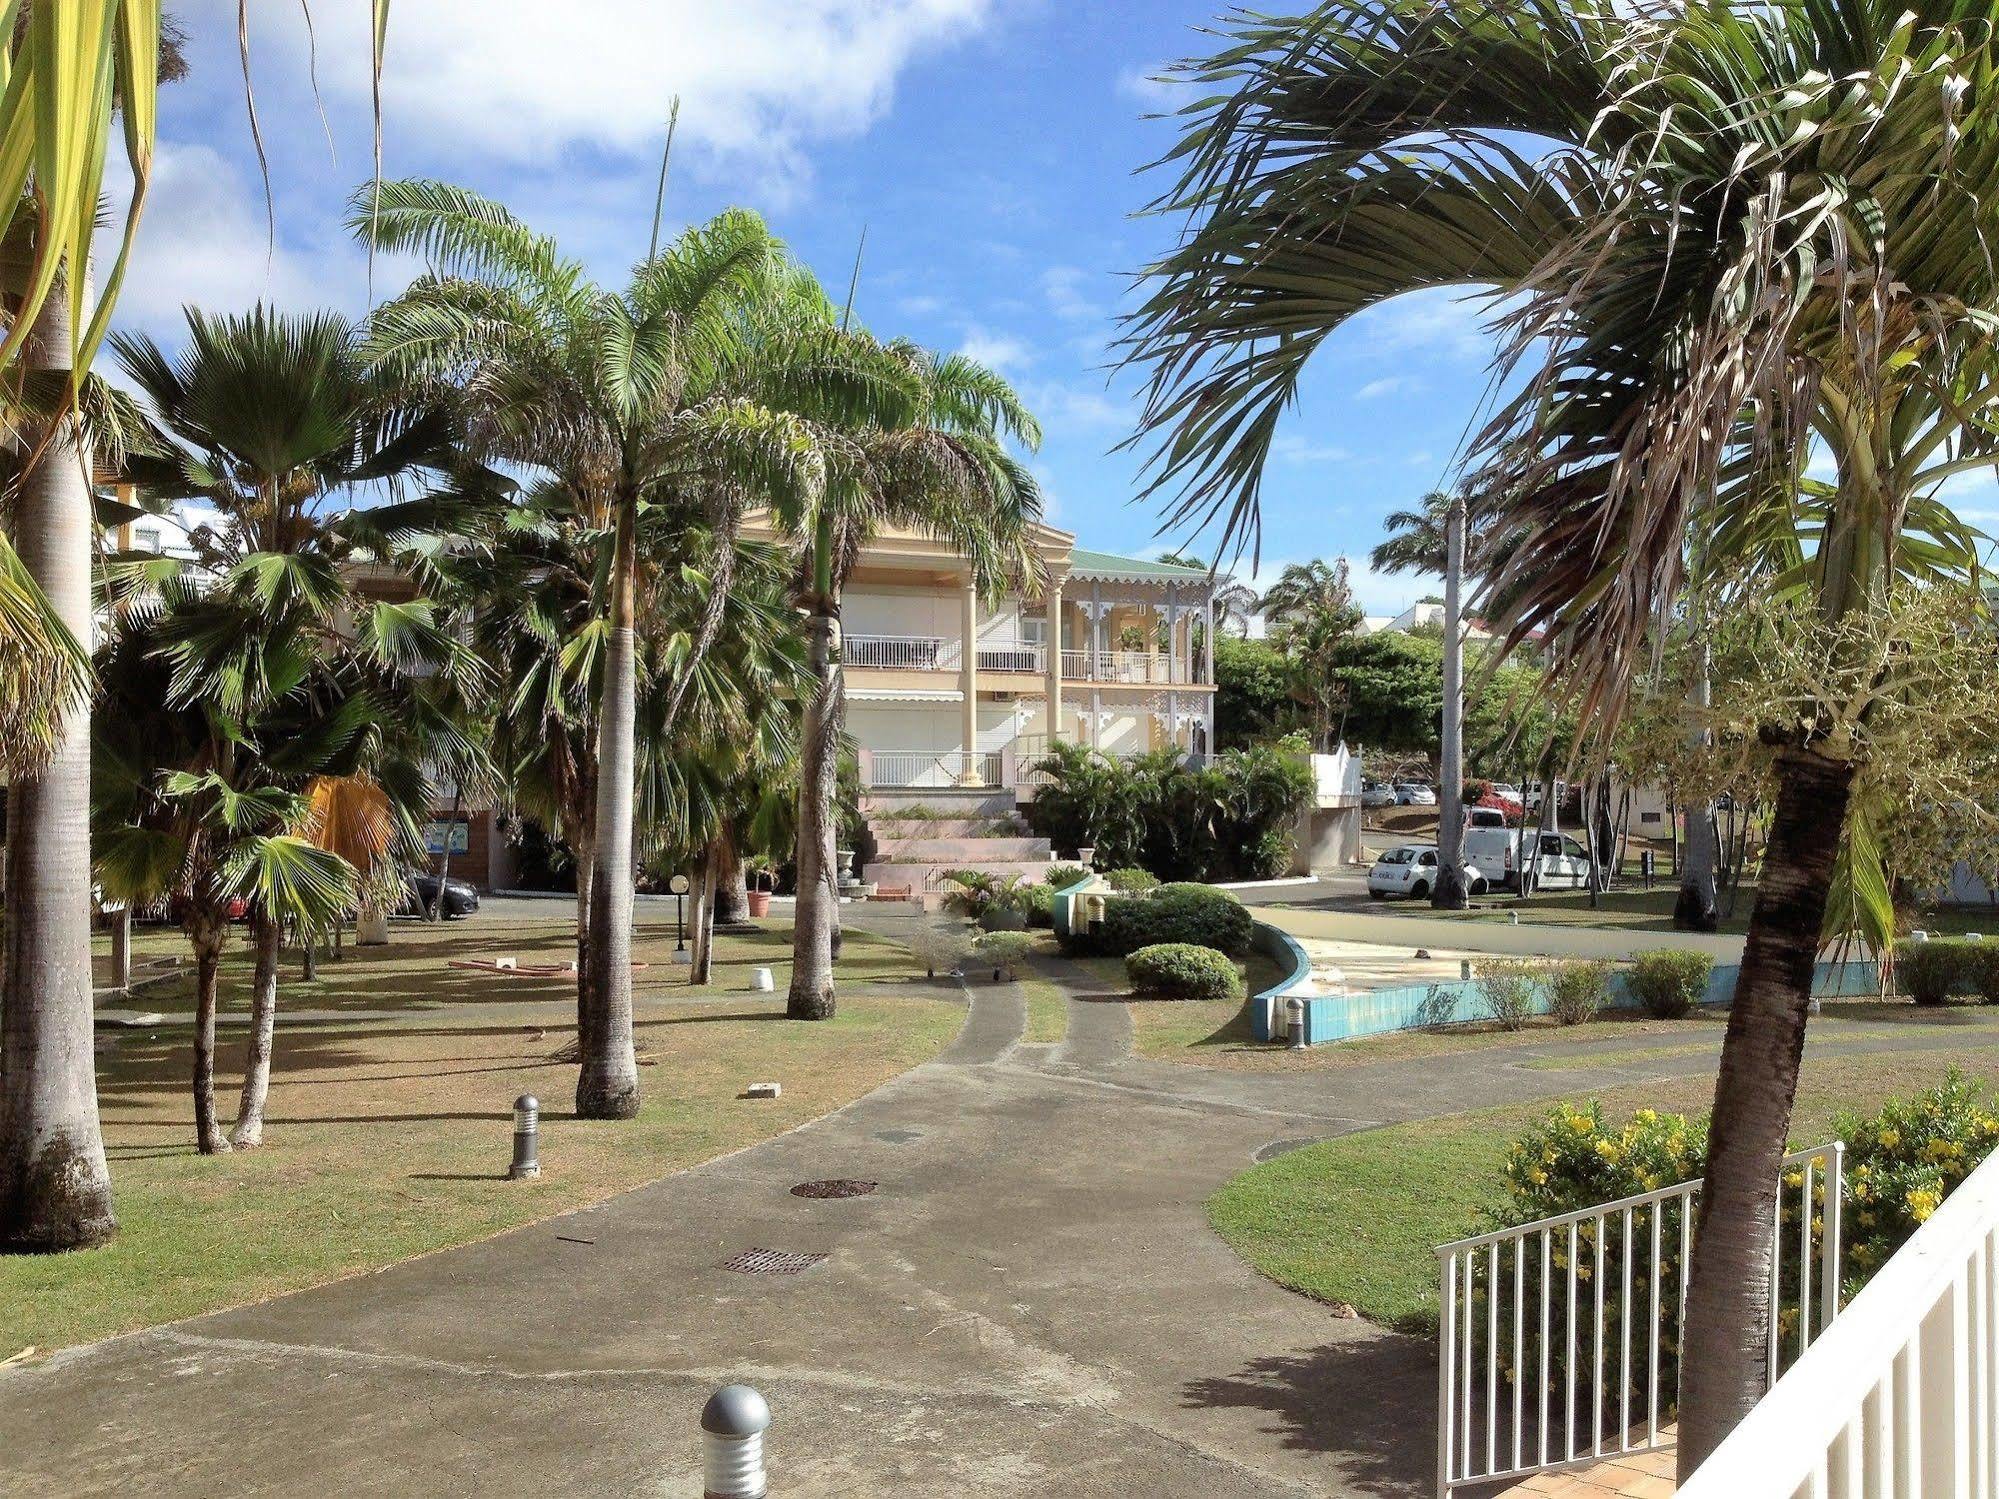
(759, 902)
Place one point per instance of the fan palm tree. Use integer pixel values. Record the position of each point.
(936, 462)
(1727, 231)
(263, 672)
(655, 396)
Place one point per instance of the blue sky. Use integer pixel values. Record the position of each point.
(990, 149)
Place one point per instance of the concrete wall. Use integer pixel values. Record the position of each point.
(1326, 840)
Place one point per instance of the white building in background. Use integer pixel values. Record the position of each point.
(946, 689)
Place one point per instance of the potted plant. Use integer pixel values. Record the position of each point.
(759, 893)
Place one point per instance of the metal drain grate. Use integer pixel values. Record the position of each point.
(838, 1186)
(771, 1262)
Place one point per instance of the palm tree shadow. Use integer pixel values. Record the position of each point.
(1365, 1403)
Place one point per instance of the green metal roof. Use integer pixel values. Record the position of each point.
(1086, 564)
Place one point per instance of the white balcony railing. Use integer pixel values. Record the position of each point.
(893, 769)
(1900, 1398)
(1137, 668)
(1013, 655)
(900, 652)
(1584, 1300)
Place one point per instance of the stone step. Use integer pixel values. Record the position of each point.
(926, 850)
(944, 801)
(887, 826)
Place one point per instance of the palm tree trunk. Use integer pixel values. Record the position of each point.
(207, 935)
(121, 949)
(55, 1187)
(584, 1009)
(732, 895)
(707, 879)
(811, 993)
(607, 1085)
(1695, 909)
(1723, 1364)
(1450, 893)
(436, 911)
(249, 1131)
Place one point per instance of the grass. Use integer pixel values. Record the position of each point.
(388, 1137)
(1354, 1220)
(1047, 1012)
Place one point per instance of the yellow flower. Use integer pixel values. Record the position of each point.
(1538, 1177)
(1548, 1156)
(1610, 1151)
(1921, 1202)
(1794, 1178)
(1580, 1123)
(1890, 1138)
(1647, 1116)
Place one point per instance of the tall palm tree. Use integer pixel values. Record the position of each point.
(1315, 587)
(1727, 230)
(626, 400)
(935, 462)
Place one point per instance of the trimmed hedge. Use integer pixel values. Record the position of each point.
(1182, 970)
(1196, 914)
(1669, 981)
(1003, 951)
(1931, 972)
(1131, 881)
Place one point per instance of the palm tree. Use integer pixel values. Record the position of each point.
(245, 684)
(1315, 587)
(937, 464)
(626, 400)
(1728, 229)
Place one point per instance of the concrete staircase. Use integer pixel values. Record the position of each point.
(920, 834)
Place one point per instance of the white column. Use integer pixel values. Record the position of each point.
(1096, 718)
(1053, 717)
(1208, 640)
(1173, 671)
(1096, 629)
(968, 683)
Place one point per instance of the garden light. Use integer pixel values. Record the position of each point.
(527, 1131)
(732, 1444)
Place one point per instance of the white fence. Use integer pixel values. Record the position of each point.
(900, 652)
(1900, 1400)
(1538, 1299)
(888, 769)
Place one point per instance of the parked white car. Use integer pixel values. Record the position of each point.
(1507, 792)
(1375, 794)
(1499, 853)
(1414, 794)
(1411, 870)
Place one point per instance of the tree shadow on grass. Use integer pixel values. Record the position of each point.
(1367, 1404)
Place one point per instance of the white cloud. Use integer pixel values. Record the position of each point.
(1442, 322)
(1149, 85)
(203, 241)
(527, 82)
(1000, 351)
(1294, 449)
(1065, 287)
(1388, 385)
(1063, 407)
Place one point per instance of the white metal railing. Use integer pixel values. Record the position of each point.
(1140, 668)
(1901, 1397)
(900, 652)
(1597, 1395)
(888, 769)
(1013, 655)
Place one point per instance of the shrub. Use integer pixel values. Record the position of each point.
(1931, 972)
(1181, 970)
(1578, 991)
(1061, 876)
(1902, 1162)
(1040, 901)
(1197, 914)
(1669, 981)
(1003, 951)
(1265, 857)
(1506, 990)
(940, 949)
(977, 891)
(1131, 881)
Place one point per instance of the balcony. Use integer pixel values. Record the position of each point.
(1127, 668)
(1022, 657)
(883, 770)
(900, 652)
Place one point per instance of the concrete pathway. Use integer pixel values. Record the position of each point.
(1031, 1304)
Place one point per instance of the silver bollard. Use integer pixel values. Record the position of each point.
(732, 1444)
(527, 1137)
(1294, 1022)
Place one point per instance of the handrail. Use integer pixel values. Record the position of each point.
(1898, 1397)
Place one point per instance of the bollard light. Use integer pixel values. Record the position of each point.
(732, 1444)
(1294, 1022)
(761, 981)
(527, 1133)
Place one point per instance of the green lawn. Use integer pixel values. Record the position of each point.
(1354, 1220)
(1047, 1012)
(388, 1137)
(1633, 909)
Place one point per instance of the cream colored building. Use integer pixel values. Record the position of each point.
(946, 689)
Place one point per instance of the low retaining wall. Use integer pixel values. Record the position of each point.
(1411, 1007)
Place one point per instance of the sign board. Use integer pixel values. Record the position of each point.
(461, 836)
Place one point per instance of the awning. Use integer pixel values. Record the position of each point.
(904, 695)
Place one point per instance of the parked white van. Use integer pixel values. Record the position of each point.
(1499, 853)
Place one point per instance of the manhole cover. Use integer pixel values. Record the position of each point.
(771, 1262)
(838, 1186)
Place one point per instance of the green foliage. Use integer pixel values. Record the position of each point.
(1668, 981)
(1040, 904)
(1003, 952)
(978, 891)
(1131, 881)
(1507, 988)
(1181, 970)
(1578, 990)
(940, 949)
(1253, 701)
(1159, 813)
(1266, 856)
(1904, 1161)
(1197, 914)
(1573, 1159)
(1061, 876)
(1931, 972)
